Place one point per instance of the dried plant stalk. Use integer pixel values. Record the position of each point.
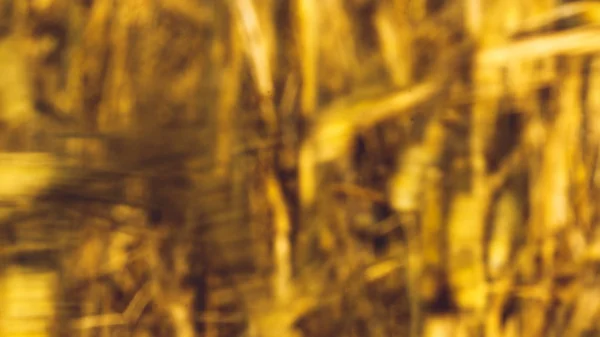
(281, 242)
(230, 89)
(577, 42)
(395, 40)
(257, 47)
(307, 29)
(465, 252)
(507, 220)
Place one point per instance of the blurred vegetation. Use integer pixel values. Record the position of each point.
(299, 168)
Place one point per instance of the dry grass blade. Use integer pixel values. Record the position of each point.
(307, 30)
(507, 220)
(258, 50)
(575, 42)
(395, 39)
(466, 256)
(588, 9)
(282, 245)
(90, 322)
